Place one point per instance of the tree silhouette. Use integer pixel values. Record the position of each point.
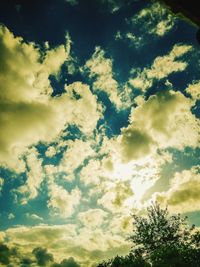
(159, 228)
(160, 240)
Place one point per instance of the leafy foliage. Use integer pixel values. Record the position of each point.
(160, 240)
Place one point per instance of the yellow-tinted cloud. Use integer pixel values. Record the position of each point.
(161, 67)
(34, 174)
(154, 19)
(92, 218)
(116, 197)
(100, 68)
(61, 201)
(28, 112)
(164, 120)
(183, 194)
(87, 246)
(194, 90)
(76, 152)
(34, 216)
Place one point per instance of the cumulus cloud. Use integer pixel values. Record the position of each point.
(183, 194)
(4, 254)
(61, 201)
(8, 255)
(155, 19)
(161, 67)
(164, 120)
(116, 196)
(96, 171)
(50, 152)
(29, 113)
(67, 263)
(100, 69)
(121, 224)
(86, 245)
(83, 106)
(34, 174)
(194, 90)
(92, 218)
(42, 256)
(76, 152)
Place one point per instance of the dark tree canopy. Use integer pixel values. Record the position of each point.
(160, 240)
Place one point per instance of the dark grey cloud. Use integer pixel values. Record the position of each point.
(4, 254)
(67, 263)
(42, 256)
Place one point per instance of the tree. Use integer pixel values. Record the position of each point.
(166, 240)
(161, 240)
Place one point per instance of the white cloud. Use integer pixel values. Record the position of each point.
(76, 152)
(183, 194)
(117, 197)
(194, 90)
(11, 216)
(84, 111)
(155, 19)
(34, 217)
(29, 113)
(164, 120)
(92, 218)
(87, 246)
(100, 68)
(35, 176)
(50, 152)
(1, 184)
(161, 67)
(61, 201)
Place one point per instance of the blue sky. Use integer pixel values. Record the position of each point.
(99, 117)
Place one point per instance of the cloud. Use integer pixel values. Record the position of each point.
(4, 254)
(34, 174)
(29, 113)
(92, 218)
(100, 69)
(34, 217)
(68, 263)
(42, 256)
(61, 201)
(25, 262)
(86, 110)
(161, 67)
(154, 20)
(8, 255)
(164, 120)
(11, 216)
(87, 246)
(76, 152)
(1, 184)
(50, 152)
(183, 194)
(96, 171)
(116, 196)
(121, 224)
(194, 90)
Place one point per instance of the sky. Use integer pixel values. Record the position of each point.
(99, 117)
